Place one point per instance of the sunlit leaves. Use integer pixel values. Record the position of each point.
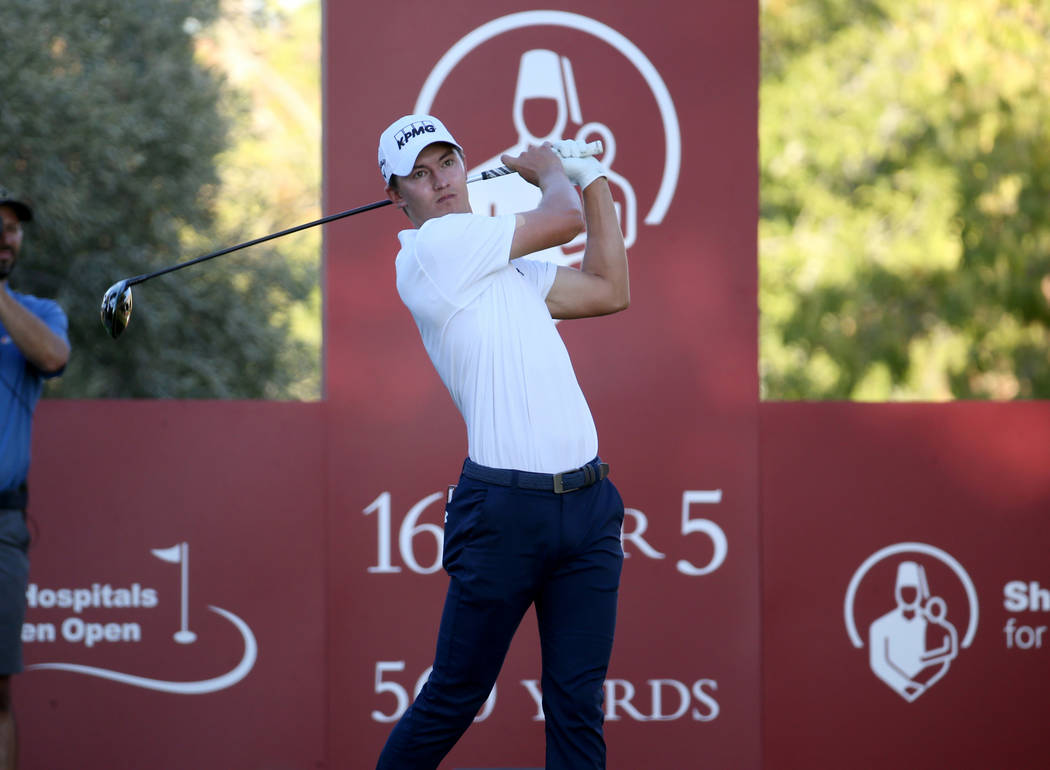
(904, 231)
(113, 127)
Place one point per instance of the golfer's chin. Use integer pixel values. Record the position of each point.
(453, 203)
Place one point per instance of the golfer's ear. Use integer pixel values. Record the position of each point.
(395, 196)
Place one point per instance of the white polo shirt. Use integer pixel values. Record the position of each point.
(485, 324)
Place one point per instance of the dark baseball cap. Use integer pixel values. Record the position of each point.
(22, 210)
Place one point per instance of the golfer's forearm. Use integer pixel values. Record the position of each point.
(559, 196)
(605, 255)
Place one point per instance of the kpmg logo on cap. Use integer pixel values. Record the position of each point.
(914, 607)
(411, 131)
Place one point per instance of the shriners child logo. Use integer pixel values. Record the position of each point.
(548, 76)
(913, 638)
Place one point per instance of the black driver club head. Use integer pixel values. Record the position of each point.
(116, 308)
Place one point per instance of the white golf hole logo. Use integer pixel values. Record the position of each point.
(911, 646)
(546, 74)
(177, 554)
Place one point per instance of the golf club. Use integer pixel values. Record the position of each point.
(116, 302)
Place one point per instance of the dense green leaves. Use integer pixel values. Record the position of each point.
(904, 230)
(112, 127)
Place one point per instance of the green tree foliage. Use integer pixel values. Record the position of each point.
(271, 175)
(905, 182)
(112, 126)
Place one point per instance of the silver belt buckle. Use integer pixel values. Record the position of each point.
(559, 486)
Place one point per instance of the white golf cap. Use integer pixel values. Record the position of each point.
(405, 138)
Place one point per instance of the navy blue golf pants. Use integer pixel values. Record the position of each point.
(507, 548)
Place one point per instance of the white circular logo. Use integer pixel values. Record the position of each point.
(550, 75)
(913, 635)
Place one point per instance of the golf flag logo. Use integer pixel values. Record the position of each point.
(173, 554)
(177, 554)
(914, 638)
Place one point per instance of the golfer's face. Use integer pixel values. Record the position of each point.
(437, 185)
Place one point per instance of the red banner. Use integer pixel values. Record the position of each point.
(176, 606)
(258, 585)
(906, 588)
(671, 381)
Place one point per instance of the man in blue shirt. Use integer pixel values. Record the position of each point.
(33, 347)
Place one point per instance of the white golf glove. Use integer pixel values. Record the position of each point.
(580, 166)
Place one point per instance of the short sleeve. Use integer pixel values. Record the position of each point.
(539, 274)
(458, 252)
(53, 316)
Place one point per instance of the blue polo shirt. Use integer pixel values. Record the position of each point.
(20, 386)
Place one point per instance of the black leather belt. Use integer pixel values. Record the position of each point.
(559, 483)
(14, 499)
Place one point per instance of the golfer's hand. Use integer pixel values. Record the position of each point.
(579, 165)
(538, 165)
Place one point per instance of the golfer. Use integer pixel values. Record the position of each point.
(534, 519)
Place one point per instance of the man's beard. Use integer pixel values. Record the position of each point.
(7, 264)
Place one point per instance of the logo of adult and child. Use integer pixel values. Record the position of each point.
(912, 632)
(914, 607)
(546, 76)
(101, 615)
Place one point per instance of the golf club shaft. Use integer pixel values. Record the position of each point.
(593, 148)
(491, 173)
(256, 241)
(116, 302)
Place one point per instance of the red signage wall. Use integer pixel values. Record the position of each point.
(671, 381)
(176, 608)
(905, 577)
(257, 585)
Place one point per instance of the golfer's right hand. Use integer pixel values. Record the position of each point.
(537, 165)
